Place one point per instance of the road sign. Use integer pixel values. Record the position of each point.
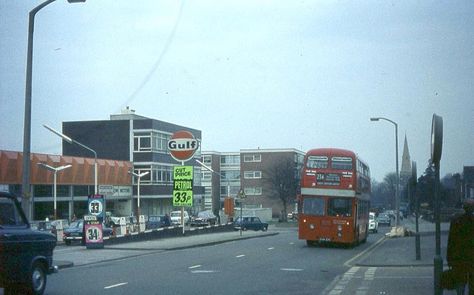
(182, 145)
(183, 186)
(93, 232)
(96, 206)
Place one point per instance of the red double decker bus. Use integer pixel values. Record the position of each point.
(335, 194)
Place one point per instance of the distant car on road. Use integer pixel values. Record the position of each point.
(373, 223)
(384, 219)
(75, 232)
(250, 222)
(26, 255)
(204, 218)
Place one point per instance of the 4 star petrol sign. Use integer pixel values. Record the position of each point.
(182, 145)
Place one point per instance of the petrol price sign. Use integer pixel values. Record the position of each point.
(93, 232)
(183, 186)
(96, 206)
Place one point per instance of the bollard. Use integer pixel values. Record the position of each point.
(417, 246)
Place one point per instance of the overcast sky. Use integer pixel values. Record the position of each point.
(249, 73)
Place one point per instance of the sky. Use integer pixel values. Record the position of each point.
(250, 73)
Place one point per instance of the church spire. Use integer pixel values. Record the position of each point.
(405, 172)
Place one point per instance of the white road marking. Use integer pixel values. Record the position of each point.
(203, 271)
(271, 248)
(291, 269)
(240, 256)
(116, 285)
(195, 266)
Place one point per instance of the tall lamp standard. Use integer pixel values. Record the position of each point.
(139, 176)
(220, 176)
(25, 184)
(55, 172)
(71, 141)
(397, 189)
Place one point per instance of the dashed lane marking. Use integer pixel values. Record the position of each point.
(116, 285)
(240, 256)
(291, 269)
(195, 266)
(203, 271)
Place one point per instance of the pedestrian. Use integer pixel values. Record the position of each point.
(460, 252)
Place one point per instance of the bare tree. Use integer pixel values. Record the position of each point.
(284, 179)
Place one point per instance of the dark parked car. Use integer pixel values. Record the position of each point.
(26, 255)
(157, 221)
(75, 232)
(384, 219)
(250, 222)
(204, 218)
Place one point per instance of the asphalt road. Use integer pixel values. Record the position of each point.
(279, 264)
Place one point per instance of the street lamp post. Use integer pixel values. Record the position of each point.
(397, 188)
(25, 184)
(220, 176)
(71, 141)
(55, 172)
(139, 176)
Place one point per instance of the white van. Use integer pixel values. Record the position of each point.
(176, 217)
(373, 223)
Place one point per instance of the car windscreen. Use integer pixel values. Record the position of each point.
(9, 215)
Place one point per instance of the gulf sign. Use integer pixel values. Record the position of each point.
(182, 145)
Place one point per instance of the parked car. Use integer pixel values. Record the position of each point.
(384, 219)
(250, 222)
(293, 215)
(157, 221)
(176, 217)
(204, 218)
(373, 223)
(48, 225)
(26, 255)
(76, 229)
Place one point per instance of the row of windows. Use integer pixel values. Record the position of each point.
(322, 162)
(150, 141)
(232, 175)
(335, 207)
(230, 160)
(252, 174)
(362, 168)
(341, 207)
(253, 191)
(158, 174)
(62, 190)
(252, 158)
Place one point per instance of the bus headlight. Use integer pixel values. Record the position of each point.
(311, 226)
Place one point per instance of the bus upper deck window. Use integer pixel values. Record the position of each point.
(320, 162)
(341, 163)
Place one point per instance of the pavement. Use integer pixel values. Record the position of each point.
(389, 266)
